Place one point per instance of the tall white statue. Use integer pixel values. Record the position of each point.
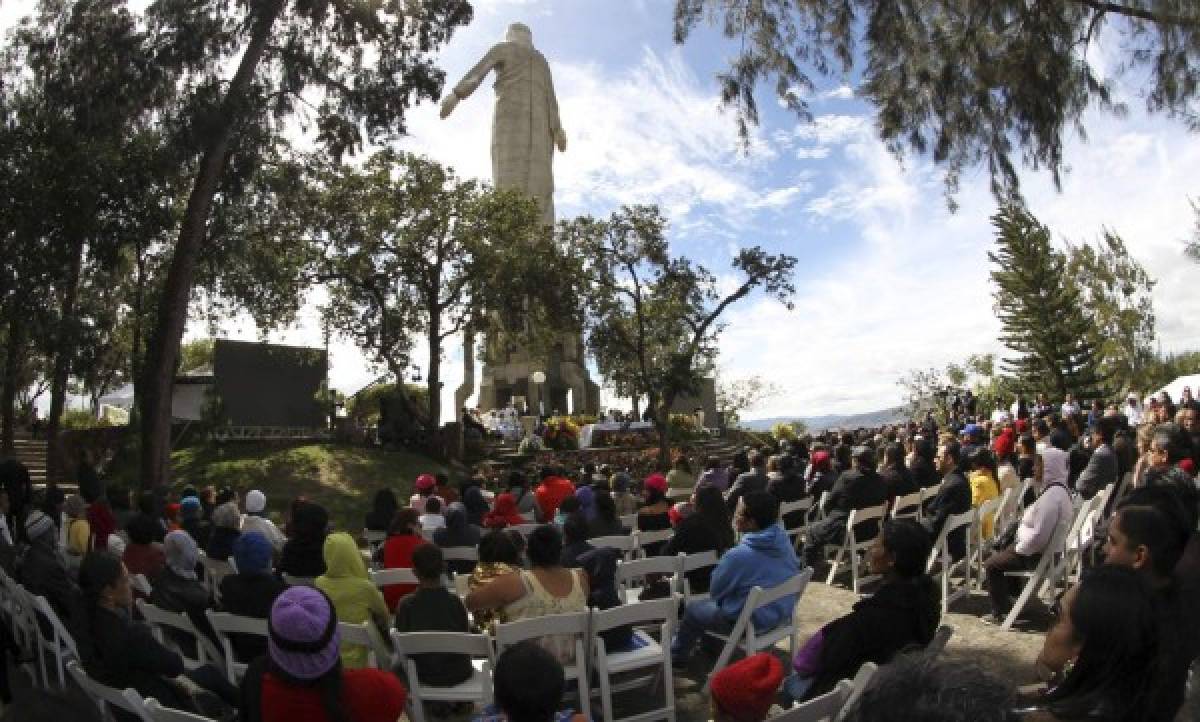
(525, 124)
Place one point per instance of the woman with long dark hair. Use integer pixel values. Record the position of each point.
(383, 508)
(1101, 654)
(922, 468)
(708, 528)
(301, 679)
(895, 474)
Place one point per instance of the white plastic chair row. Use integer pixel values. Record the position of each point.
(127, 700)
(940, 554)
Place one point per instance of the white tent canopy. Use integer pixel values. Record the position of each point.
(1175, 388)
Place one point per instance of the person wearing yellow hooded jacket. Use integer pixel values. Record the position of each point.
(355, 598)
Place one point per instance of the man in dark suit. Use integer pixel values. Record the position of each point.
(954, 497)
(858, 488)
(1101, 469)
(750, 481)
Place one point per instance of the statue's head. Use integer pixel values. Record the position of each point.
(520, 33)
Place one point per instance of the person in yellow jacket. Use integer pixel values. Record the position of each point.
(79, 532)
(984, 486)
(355, 598)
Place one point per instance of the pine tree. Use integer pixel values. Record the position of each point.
(1045, 323)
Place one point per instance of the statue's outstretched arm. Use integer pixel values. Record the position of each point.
(471, 80)
(556, 129)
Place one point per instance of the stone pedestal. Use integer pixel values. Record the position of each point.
(506, 376)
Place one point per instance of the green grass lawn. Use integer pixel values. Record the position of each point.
(341, 478)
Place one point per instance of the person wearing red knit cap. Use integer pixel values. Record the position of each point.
(745, 691)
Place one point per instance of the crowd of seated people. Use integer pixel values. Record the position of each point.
(1121, 646)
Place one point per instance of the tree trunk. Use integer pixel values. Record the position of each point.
(658, 409)
(12, 366)
(163, 350)
(64, 350)
(135, 351)
(434, 378)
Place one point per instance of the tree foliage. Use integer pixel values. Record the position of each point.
(1117, 292)
(652, 320)
(1045, 322)
(996, 83)
(738, 395)
(406, 248)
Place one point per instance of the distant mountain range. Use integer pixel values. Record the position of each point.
(832, 421)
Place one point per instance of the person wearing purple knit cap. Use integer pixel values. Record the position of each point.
(301, 679)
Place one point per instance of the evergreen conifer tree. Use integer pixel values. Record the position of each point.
(1044, 321)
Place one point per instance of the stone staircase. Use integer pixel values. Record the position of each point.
(32, 453)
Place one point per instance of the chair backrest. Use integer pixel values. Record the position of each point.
(407, 644)
(646, 538)
(158, 713)
(638, 613)
(858, 685)
(529, 516)
(621, 542)
(225, 624)
(386, 577)
(629, 520)
(633, 572)
(941, 548)
(907, 506)
(525, 529)
(941, 638)
(819, 709)
(59, 629)
(930, 492)
(292, 581)
(126, 699)
(858, 517)
(365, 635)
(575, 623)
(215, 570)
(160, 618)
(141, 584)
(698, 560)
(789, 507)
(460, 554)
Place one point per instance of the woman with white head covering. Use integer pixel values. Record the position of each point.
(177, 588)
(256, 520)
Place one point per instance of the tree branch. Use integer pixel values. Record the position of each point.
(1101, 6)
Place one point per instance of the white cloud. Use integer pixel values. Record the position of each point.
(842, 92)
(814, 153)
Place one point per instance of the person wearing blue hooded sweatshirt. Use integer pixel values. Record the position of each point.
(764, 558)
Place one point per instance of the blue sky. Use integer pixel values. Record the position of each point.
(888, 279)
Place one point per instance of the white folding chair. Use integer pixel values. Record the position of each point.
(214, 571)
(977, 542)
(941, 554)
(367, 636)
(529, 516)
(679, 494)
(1082, 529)
(627, 544)
(477, 689)
(59, 642)
(396, 575)
(928, 493)
(158, 713)
(141, 585)
(460, 554)
(629, 520)
(852, 546)
(226, 624)
(907, 506)
(374, 539)
(127, 700)
(631, 575)
(1036, 579)
(649, 538)
(690, 563)
(745, 638)
(575, 624)
(819, 709)
(941, 638)
(818, 512)
(525, 529)
(160, 621)
(645, 654)
(804, 505)
(292, 581)
(857, 686)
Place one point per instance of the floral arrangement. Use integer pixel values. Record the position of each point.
(530, 445)
(561, 434)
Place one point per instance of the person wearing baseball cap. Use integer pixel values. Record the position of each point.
(745, 690)
(301, 678)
